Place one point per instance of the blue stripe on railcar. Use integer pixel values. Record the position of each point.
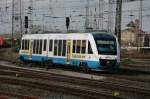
(33, 58)
(74, 62)
(90, 64)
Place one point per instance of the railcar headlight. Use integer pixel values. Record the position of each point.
(108, 62)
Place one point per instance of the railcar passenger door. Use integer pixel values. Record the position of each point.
(30, 49)
(69, 51)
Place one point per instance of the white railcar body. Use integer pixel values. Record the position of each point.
(73, 49)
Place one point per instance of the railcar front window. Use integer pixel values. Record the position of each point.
(106, 44)
(107, 47)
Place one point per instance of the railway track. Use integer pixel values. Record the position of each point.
(69, 88)
(140, 68)
(5, 95)
(125, 72)
(124, 69)
(123, 89)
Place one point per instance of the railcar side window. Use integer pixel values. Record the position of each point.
(28, 41)
(74, 46)
(64, 48)
(40, 49)
(37, 47)
(22, 44)
(78, 46)
(59, 47)
(89, 48)
(34, 45)
(50, 45)
(45, 43)
(55, 47)
(83, 47)
(25, 44)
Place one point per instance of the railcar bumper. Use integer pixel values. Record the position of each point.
(108, 65)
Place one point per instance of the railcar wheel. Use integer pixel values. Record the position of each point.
(48, 64)
(20, 62)
(84, 68)
(88, 69)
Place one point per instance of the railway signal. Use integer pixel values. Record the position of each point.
(67, 22)
(26, 24)
(26, 21)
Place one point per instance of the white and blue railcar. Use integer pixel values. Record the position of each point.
(96, 51)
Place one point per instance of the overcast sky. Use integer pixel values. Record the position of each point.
(50, 14)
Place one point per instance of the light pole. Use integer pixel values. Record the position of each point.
(12, 35)
(118, 20)
(140, 26)
(21, 29)
(87, 16)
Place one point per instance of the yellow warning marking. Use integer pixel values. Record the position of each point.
(116, 93)
(17, 75)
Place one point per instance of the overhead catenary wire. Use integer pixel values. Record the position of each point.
(39, 11)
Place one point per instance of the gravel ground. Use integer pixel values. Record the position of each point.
(41, 94)
(8, 54)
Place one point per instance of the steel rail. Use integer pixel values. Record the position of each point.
(84, 91)
(100, 84)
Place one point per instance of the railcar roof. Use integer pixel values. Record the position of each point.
(102, 35)
(107, 33)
